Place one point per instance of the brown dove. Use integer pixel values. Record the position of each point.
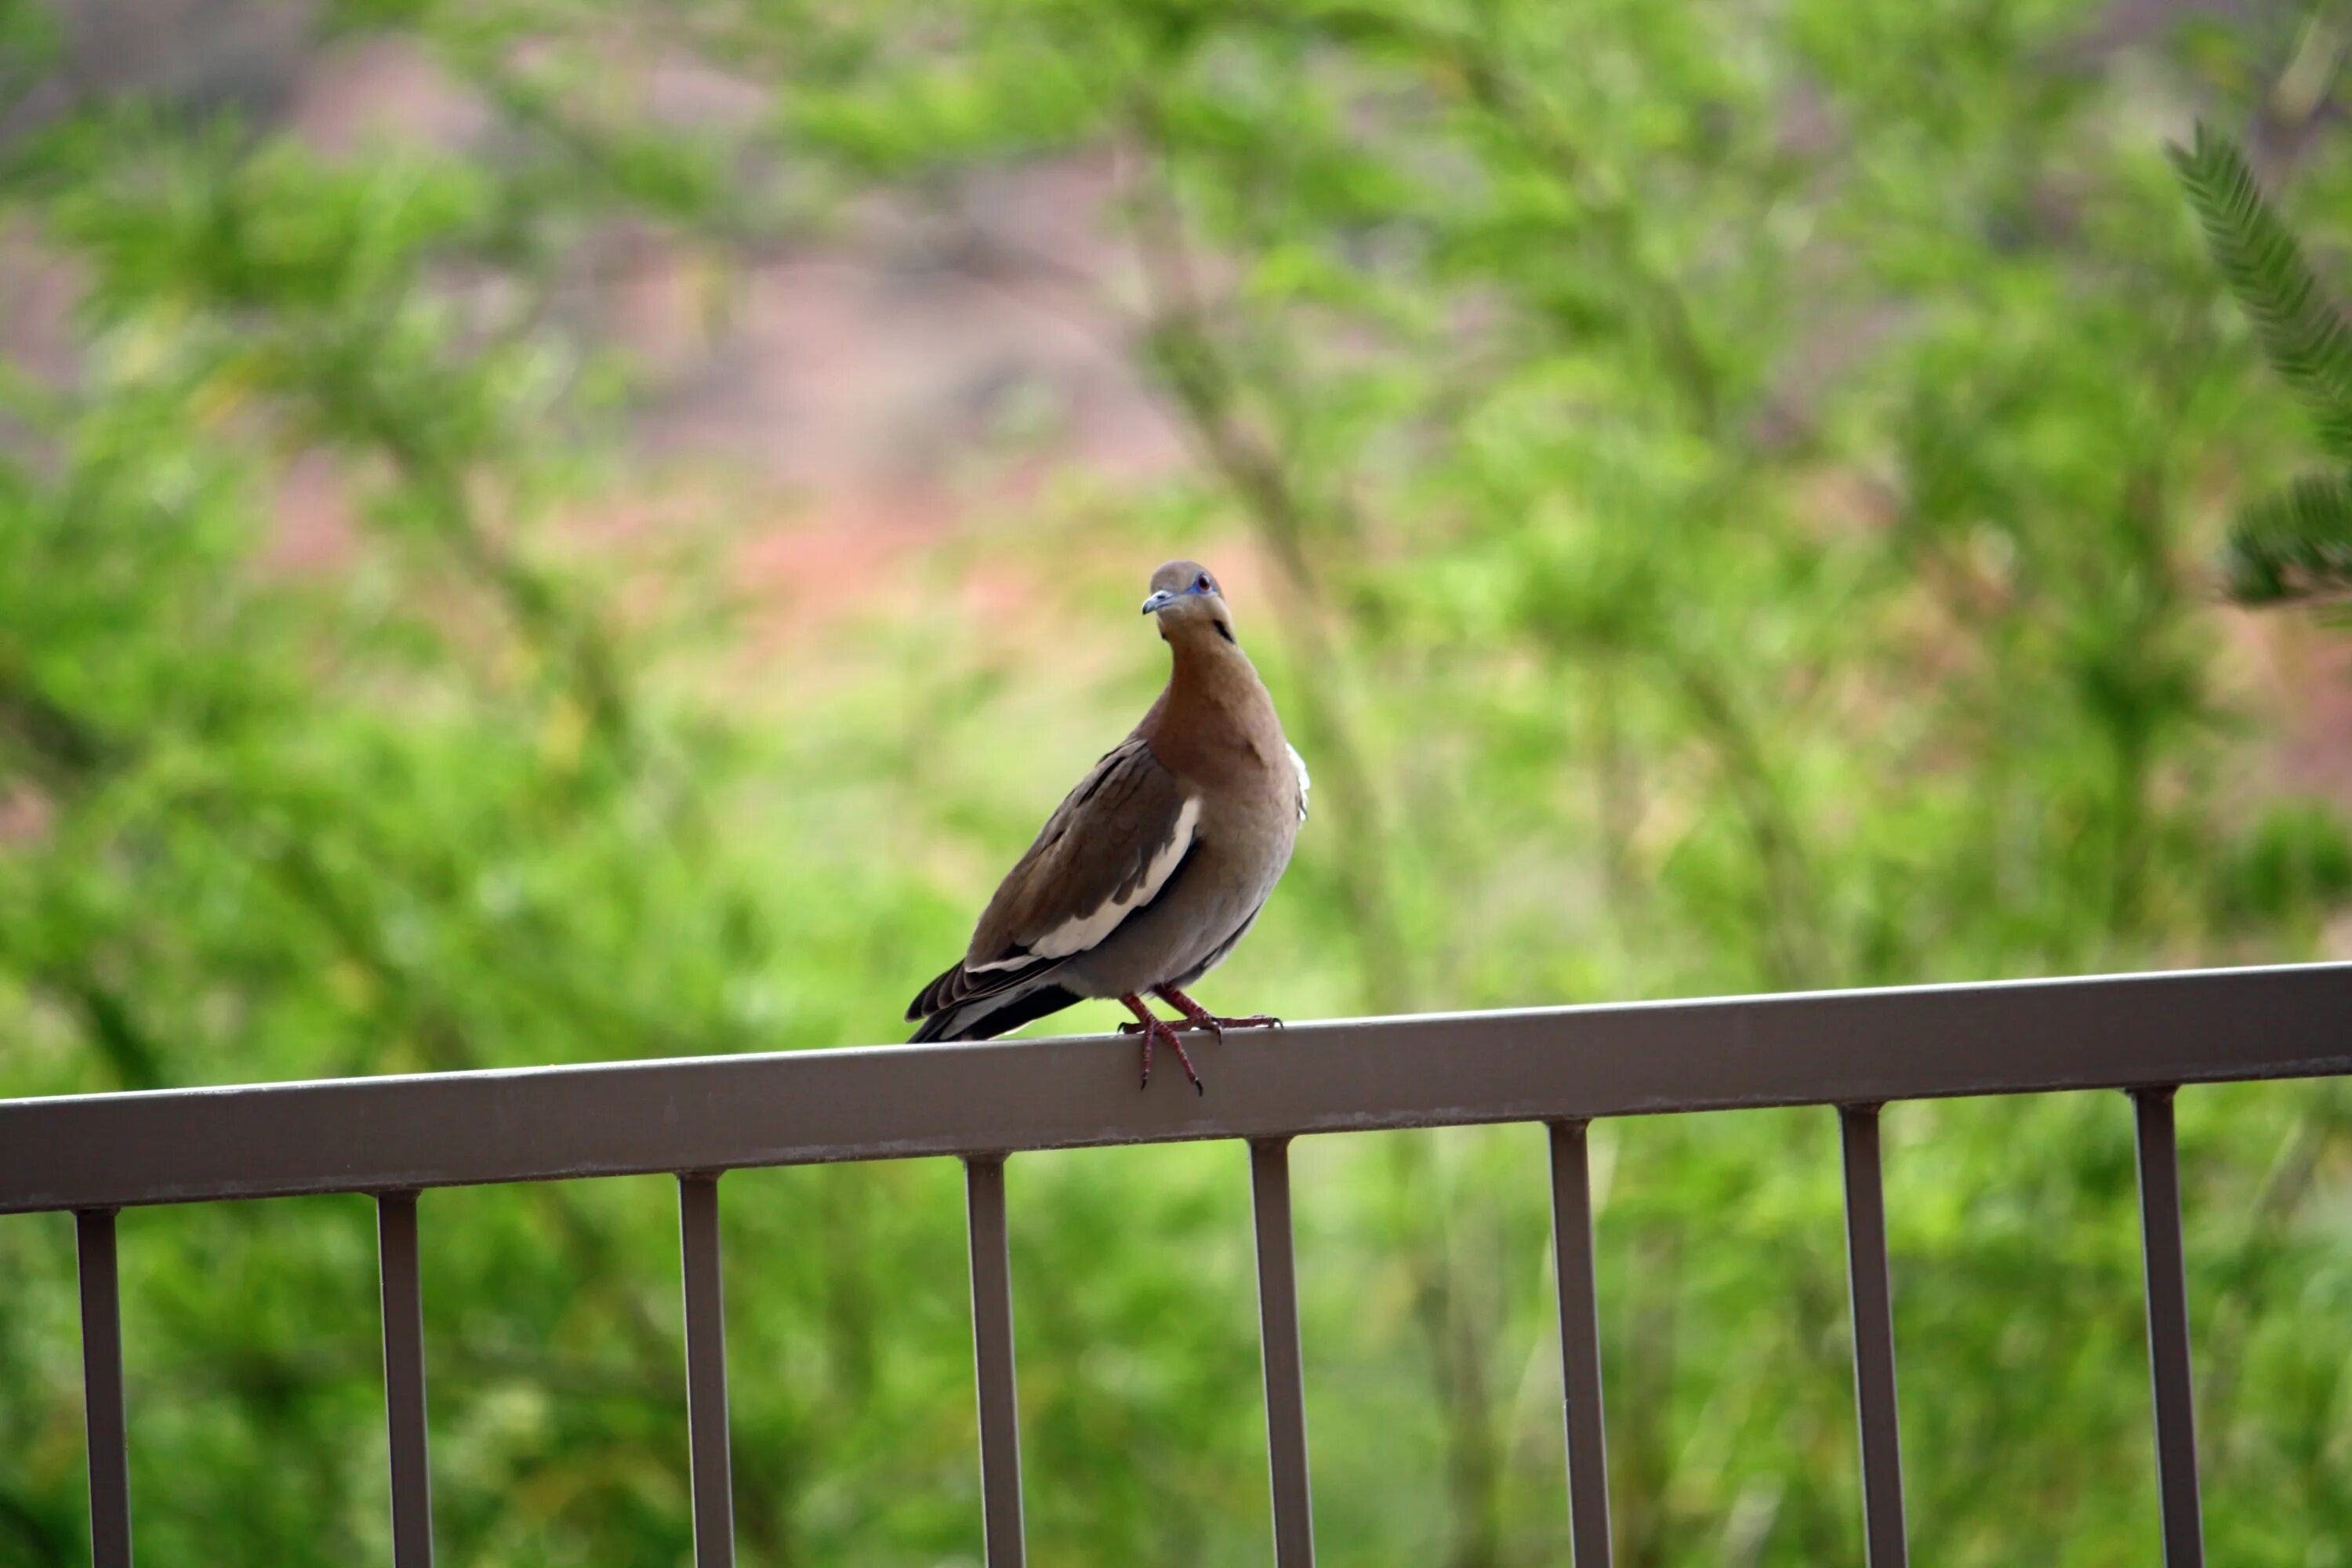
(1154, 866)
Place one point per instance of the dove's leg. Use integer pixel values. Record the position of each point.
(1199, 1018)
(1155, 1028)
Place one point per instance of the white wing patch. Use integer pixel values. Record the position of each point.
(1299, 764)
(1080, 933)
(1016, 962)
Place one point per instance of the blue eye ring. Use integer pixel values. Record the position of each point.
(1201, 584)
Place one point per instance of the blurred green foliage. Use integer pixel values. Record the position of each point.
(1733, 480)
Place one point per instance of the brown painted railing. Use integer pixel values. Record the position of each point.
(1855, 1050)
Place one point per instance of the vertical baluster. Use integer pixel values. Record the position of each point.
(1286, 1385)
(992, 1342)
(101, 1387)
(705, 1372)
(2167, 1328)
(404, 1379)
(1579, 1345)
(1874, 1338)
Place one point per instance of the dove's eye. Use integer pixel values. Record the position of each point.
(1201, 584)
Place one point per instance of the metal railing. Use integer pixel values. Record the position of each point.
(1856, 1051)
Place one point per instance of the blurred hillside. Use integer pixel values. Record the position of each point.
(538, 532)
(923, 364)
(857, 393)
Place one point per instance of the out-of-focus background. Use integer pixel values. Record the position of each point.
(537, 532)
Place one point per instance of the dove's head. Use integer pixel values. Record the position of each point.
(1187, 599)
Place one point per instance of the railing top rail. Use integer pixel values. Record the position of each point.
(377, 1134)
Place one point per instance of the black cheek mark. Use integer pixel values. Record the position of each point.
(1225, 631)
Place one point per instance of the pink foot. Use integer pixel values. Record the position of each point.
(1199, 1018)
(1155, 1028)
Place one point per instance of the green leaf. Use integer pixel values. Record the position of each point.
(2296, 544)
(2303, 334)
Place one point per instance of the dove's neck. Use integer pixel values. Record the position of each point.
(1215, 708)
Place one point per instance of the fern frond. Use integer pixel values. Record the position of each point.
(2296, 544)
(2303, 335)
